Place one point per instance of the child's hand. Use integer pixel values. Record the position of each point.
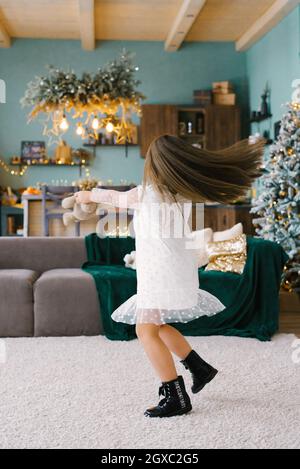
(83, 197)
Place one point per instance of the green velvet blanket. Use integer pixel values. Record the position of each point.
(251, 299)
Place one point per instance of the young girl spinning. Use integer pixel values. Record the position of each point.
(176, 174)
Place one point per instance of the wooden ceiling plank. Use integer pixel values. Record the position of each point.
(265, 23)
(5, 40)
(186, 16)
(87, 23)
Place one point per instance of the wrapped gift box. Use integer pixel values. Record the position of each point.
(225, 99)
(222, 87)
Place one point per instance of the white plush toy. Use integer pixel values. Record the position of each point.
(79, 212)
(82, 212)
(129, 260)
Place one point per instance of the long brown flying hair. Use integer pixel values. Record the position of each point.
(199, 175)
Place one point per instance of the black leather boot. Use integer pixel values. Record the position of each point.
(175, 402)
(202, 372)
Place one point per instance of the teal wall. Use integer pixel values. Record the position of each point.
(166, 78)
(276, 59)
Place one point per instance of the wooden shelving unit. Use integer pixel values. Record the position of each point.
(220, 124)
(196, 117)
(94, 146)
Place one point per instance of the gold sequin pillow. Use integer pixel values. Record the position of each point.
(227, 256)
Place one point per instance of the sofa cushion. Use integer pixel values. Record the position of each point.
(66, 303)
(232, 232)
(16, 305)
(41, 253)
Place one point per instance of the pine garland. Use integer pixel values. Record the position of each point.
(115, 80)
(111, 91)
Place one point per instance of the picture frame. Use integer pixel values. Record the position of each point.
(33, 150)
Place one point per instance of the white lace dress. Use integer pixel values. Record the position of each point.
(166, 266)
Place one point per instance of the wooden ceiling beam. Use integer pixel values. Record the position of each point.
(184, 20)
(5, 40)
(87, 23)
(265, 23)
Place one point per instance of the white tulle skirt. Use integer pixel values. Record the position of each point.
(129, 313)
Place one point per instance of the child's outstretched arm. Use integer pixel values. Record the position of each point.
(128, 199)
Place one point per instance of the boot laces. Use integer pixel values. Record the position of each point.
(164, 390)
(168, 395)
(161, 390)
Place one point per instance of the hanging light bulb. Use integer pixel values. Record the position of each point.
(64, 124)
(109, 127)
(95, 123)
(79, 129)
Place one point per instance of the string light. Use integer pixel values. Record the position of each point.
(95, 123)
(23, 168)
(109, 127)
(80, 129)
(13, 172)
(64, 124)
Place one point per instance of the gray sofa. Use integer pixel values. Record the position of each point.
(43, 290)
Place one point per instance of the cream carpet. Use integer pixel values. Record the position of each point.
(89, 392)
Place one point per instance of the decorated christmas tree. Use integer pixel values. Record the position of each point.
(278, 205)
